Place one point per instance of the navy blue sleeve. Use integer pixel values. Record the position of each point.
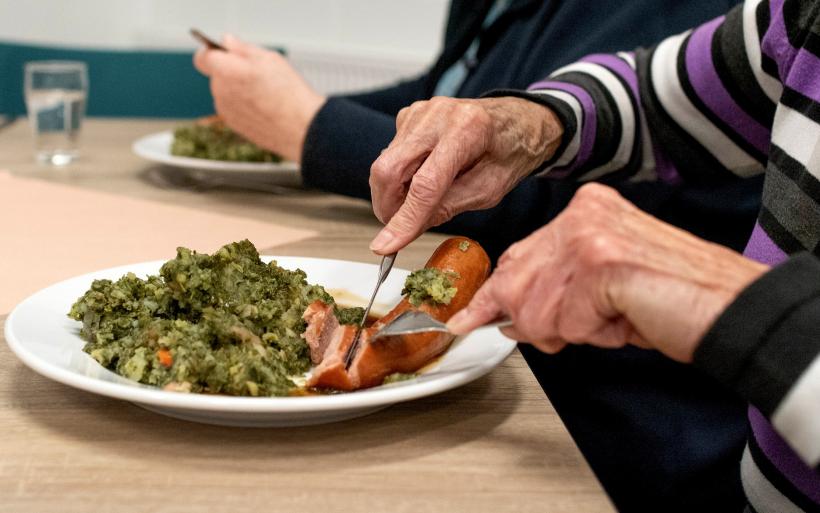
(390, 100)
(342, 142)
(348, 134)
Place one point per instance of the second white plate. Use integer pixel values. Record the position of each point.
(157, 148)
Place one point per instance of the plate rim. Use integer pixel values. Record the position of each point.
(147, 394)
(138, 148)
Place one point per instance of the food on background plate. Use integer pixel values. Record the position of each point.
(210, 138)
(228, 323)
(464, 271)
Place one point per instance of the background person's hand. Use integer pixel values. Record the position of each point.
(605, 273)
(259, 95)
(454, 155)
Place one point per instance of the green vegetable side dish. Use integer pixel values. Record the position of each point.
(351, 315)
(430, 285)
(225, 323)
(217, 142)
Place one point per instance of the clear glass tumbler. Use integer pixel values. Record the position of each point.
(56, 93)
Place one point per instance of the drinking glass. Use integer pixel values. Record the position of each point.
(56, 93)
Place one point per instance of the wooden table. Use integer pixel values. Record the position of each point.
(495, 445)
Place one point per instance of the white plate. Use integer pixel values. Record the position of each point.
(157, 148)
(44, 338)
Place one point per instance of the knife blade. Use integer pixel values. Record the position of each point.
(384, 269)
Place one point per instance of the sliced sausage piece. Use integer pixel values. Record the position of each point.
(331, 372)
(321, 325)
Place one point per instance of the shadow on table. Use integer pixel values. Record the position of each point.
(405, 431)
(170, 177)
(255, 187)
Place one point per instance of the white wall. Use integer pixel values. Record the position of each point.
(394, 37)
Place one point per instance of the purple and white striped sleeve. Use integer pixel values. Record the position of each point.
(697, 107)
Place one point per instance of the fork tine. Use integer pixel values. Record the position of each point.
(411, 321)
(417, 321)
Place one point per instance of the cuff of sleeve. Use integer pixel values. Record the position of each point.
(769, 335)
(562, 110)
(342, 141)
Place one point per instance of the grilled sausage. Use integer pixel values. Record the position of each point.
(402, 353)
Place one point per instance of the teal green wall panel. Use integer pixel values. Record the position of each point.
(121, 83)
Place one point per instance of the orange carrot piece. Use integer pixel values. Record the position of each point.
(165, 358)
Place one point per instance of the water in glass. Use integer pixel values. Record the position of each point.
(56, 94)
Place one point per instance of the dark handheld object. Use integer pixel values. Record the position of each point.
(207, 41)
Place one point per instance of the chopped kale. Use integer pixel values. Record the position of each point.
(352, 315)
(430, 285)
(225, 323)
(217, 142)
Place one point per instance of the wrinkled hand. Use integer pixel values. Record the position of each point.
(454, 155)
(259, 95)
(605, 273)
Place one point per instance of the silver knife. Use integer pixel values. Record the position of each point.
(384, 270)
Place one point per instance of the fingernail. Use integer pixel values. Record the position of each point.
(381, 241)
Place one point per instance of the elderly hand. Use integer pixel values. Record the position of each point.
(453, 155)
(259, 95)
(605, 273)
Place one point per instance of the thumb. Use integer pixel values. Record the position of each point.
(482, 309)
(405, 225)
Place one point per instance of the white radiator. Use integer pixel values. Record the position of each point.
(337, 72)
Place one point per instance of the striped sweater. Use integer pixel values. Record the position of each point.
(735, 97)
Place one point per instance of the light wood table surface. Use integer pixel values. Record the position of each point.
(495, 445)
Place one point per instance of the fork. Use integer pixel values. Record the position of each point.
(416, 321)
